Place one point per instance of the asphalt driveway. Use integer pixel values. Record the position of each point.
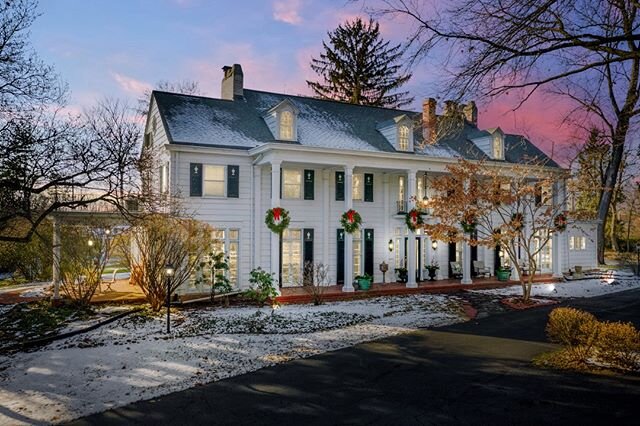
(477, 373)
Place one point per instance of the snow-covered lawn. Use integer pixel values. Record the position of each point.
(614, 282)
(133, 359)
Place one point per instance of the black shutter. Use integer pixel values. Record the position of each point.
(339, 186)
(340, 259)
(474, 253)
(233, 181)
(538, 195)
(309, 184)
(368, 187)
(281, 180)
(307, 255)
(418, 244)
(195, 179)
(452, 257)
(368, 251)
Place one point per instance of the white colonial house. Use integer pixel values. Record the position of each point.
(231, 159)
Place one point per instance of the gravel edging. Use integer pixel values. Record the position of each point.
(52, 338)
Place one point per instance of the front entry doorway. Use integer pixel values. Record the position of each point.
(419, 248)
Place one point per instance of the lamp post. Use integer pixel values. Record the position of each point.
(168, 272)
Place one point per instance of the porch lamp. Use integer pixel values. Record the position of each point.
(168, 272)
(90, 242)
(390, 245)
(434, 244)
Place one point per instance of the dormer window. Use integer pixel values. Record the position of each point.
(403, 138)
(286, 125)
(498, 146)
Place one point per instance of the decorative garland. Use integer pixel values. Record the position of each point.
(277, 219)
(351, 221)
(468, 223)
(560, 222)
(517, 221)
(413, 219)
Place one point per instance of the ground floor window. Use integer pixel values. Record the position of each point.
(544, 253)
(357, 254)
(577, 243)
(227, 241)
(291, 257)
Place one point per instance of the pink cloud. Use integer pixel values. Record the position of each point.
(287, 11)
(130, 84)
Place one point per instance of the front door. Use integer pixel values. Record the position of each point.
(418, 243)
(291, 258)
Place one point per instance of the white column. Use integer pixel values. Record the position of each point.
(275, 238)
(258, 217)
(411, 243)
(348, 238)
(466, 263)
(56, 259)
(387, 215)
(326, 198)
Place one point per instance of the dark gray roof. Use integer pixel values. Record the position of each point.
(321, 123)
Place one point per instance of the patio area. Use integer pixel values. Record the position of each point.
(334, 292)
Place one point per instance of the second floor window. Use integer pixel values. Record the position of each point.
(286, 125)
(214, 181)
(291, 184)
(497, 147)
(403, 138)
(358, 187)
(401, 188)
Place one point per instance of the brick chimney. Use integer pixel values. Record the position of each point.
(470, 111)
(429, 120)
(232, 82)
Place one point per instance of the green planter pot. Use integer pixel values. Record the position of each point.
(503, 275)
(364, 284)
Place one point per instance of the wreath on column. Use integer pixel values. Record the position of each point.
(560, 222)
(277, 219)
(351, 221)
(413, 219)
(469, 223)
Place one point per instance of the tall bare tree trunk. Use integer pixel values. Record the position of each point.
(612, 226)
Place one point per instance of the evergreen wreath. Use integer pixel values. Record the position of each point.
(351, 221)
(560, 222)
(277, 219)
(468, 223)
(517, 221)
(413, 219)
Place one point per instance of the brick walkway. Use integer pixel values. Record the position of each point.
(334, 292)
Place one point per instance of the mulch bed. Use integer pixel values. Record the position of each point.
(518, 304)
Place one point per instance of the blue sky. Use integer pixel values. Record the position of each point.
(119, 48)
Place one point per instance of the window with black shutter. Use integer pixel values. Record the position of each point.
(368, 187)
(368, 251)
(195, 179)
(339, 186)
(309, 186)
(233, 181)
(340, 254)
(307, 255)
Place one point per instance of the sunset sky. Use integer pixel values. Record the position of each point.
(120, 48)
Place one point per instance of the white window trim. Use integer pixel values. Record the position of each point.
(500, 139)
(301, 184)
(224, 181)
(361, 186)
(226, 241)
(574, 240)
(400, 128)
(294, 122)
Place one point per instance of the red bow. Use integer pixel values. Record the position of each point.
(276, 213)
(414, 216)
(350, 214)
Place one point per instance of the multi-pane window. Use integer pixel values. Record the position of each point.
(497, 147)
(403, 138)
(291, 184)
(291, 257)
(286, 125)
(225, 241)
(163, 178)
(401, 188)
(577, 243)
(357, 254)
(214, 180)
(358, 187)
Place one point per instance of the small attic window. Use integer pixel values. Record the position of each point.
(286, 125)
(498, 146)
(403, 138)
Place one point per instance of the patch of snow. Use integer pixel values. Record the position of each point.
(133, 359)
(5, 308)
(619, 281)
(35, 292)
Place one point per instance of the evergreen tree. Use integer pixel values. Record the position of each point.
(359, 67)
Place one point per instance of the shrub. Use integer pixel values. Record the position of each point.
(618, 345)
(262, 287)
(570, 327)
(315, 280)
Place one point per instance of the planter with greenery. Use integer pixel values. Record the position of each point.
(503, 273)
(364, 281)
(433, 268)
(403, 275)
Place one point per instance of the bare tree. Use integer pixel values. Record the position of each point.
(587, 50)
(185, 87)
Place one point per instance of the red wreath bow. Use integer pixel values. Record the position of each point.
(414, 216)
(276, 213)
(350, 214)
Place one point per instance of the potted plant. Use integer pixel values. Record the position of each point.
(503, 273)
(403, 275)
(432, 270)
(364, 281)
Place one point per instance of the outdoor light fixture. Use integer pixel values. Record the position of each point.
(90, 243)
(390, 245)
(107, 231)
(168, 272)
(434, 244)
